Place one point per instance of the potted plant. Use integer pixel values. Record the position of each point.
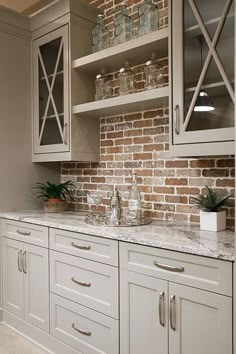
(212, 218)
(54, 195)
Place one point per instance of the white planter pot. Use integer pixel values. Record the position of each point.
(211, 221)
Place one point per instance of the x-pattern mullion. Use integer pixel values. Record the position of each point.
(50, 92)
(212, 53)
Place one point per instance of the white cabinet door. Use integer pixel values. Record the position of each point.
(143, 314)
(200, 321)
(36, 284)
(51, 92)
(13, 291)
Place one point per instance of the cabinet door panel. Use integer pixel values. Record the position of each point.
(203, 322)
(140, 329)
(36, 282)
(13, 291)
(51, 88)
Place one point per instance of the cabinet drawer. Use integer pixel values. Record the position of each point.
(22, 231)
(89, 283)
(200, 272)
(86, 330)
(91, 247)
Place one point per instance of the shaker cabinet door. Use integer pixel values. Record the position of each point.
(203, 75)
(36, 284)
(200, 321)
(51, 92)
(13, 291)
(143, 314)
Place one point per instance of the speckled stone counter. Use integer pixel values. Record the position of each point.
(169, 235)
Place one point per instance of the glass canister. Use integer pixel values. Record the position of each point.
(123, 26)
(126, 80)
(100, 34)
(148, 17)
(103, 87)
(154, 74)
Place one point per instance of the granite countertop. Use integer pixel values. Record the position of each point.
(170, 235)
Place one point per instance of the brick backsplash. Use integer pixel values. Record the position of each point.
(140, 142)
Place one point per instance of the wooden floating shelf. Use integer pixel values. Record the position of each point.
(138, 50)
(135, 102)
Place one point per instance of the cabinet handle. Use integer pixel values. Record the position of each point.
(85, 333)
(177, 119)
(168, 267)
(80, 282)
(24, 233)
(162, 309)
(85, 248)
(19, 261)
(24, 262)
(172, 313)
(65, 132)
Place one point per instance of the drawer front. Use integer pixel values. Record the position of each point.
(91, 247)
(200, 272)
(86, 330)
(22, 231)
(89, 283)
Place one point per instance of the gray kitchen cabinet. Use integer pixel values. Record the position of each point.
(202, 77)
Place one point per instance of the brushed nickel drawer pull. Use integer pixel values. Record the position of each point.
(172, 313)
(162, 309)
(19, 261)
(168, 267)
(84, 248)
(85, 333)
(24, 262)
(24, 233)
(80, 282)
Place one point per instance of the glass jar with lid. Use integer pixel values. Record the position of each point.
(123, 26)
(100, 34)
(126, 79)
(148, 17)
(103, 86)
(154, 73)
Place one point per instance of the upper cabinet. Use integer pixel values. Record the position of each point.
(202, 74)
(61, 33)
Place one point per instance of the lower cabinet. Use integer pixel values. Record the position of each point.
(157, 314)
(26, 282)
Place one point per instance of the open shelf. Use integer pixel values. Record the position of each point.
(138, 50)
(135, 102)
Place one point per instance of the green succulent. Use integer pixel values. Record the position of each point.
(51, 190)
(212, 201)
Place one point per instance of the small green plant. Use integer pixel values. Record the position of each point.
(53, 191)
(212, 201)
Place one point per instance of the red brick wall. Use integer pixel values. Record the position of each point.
(139, 142)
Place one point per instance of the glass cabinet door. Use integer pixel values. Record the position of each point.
(51, 102)
(203, 70)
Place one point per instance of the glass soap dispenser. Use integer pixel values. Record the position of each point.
(123, 26)
(148, 17)
(126, 79)
(154, 74)
(100, 35)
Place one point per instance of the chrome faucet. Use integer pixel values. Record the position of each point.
(115, 207)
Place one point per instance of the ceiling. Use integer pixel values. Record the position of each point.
(24, 6)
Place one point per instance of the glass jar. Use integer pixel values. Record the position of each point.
(123, 26)
(100, 34)
(103, 87)
(148, 17)
(126, 80)
(154, 74)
